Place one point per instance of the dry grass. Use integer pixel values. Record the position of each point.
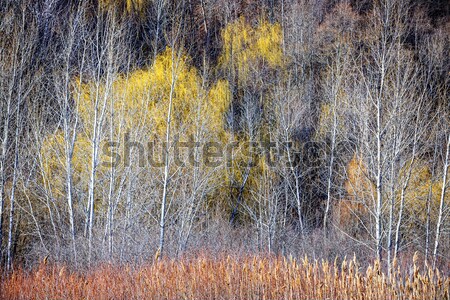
(206, 277)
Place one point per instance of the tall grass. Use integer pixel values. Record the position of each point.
(227, 277)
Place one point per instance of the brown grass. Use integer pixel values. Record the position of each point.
(206, 277)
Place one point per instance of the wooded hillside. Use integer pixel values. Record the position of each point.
(290, 127)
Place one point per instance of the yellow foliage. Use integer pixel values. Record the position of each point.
(352, 211)
(244, 46)
(129, 6)
(138, 103)
(325, 119)
(219, 99)
(53, 157)
(358, 185)
(268, 43)
(142, 97)
(249, 169)
(420, 188)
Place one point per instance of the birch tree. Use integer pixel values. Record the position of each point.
(442, 205)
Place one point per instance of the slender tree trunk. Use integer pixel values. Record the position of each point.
(405, 186)
(441, 202)
(13, 189)
(391, 212)
(70, 133)
(5, 137)
(162, 220)
(99, 112)
(330, 178)
(379, 175)
(402, 203)
(429, 200)
(3, 166)
(336, 78)
(297, 193)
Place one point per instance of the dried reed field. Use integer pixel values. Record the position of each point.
(227, 277)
